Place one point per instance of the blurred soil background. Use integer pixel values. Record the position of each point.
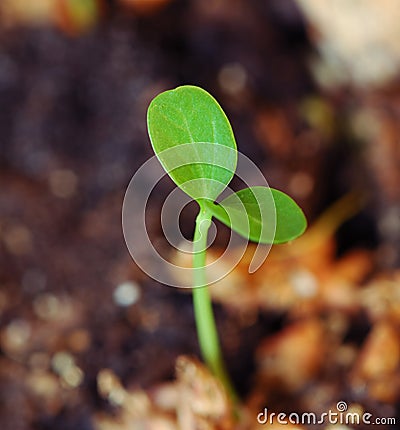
(312, 91)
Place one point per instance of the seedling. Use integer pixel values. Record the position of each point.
(194, 141)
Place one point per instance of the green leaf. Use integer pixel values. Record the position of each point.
(193, 140)
(261, 214)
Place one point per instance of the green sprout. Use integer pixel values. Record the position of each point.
(193, 140)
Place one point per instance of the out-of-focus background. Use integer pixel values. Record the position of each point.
(312, 92)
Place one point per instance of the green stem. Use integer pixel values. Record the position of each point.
(204, 316)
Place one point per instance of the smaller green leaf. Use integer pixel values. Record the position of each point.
(261, 214)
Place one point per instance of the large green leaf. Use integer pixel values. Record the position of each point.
(193, 140)
(261, 214)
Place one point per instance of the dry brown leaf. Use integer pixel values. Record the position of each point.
(378, 365)
(294, 356)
